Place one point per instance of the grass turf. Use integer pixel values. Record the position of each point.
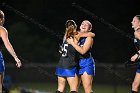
(51, 88)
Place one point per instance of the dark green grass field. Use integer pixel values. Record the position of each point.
(51, 87)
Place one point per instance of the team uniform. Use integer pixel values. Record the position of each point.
(67, 65)
(137, 45)
(2, 66)
(86, 61)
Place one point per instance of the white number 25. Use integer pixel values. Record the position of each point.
(65, 50)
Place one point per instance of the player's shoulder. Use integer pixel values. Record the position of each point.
(3, 29)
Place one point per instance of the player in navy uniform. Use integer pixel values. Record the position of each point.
(67, 67)
(136, 25)
(4, 39)
(86, 62)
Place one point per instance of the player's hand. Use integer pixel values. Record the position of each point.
(70, 40)
(133, 58)
(18, 62)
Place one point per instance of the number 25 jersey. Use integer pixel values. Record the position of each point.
(69, 57)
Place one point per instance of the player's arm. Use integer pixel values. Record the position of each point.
(4, 36)
(86, 34)
(82, 50)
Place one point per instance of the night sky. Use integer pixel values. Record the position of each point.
(36, 26)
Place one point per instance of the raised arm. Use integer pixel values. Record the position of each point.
(4, 36)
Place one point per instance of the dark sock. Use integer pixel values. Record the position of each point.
(58, 92)
(91, 92)
(73, 92)
(133, 91)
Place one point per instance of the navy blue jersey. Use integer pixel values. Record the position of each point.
(86, 62)
(2, 66)
(1, 44)
(69, 57)
(137, 45)
(81, 43)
